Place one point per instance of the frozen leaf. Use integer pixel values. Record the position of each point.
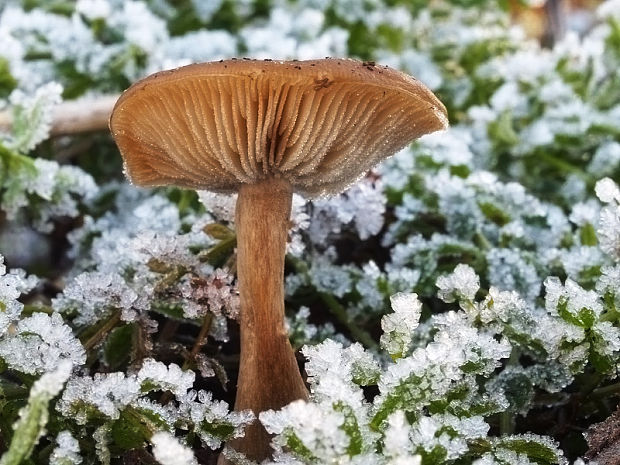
(462, 284)
(211, 419)
(40, 343)
(67, 450)
(32, 116)
(102, 396)
(398, 327)
(154, 375)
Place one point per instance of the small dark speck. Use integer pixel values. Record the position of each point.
(313, 64)
(267, 59)
(225, 66)
(235, 59)
(221, 61)
(368, 63)
(370, 68)
(297, 67)
(322, 83)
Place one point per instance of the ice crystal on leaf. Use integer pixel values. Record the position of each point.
(609, 220)
(508, 270)
(154, 375)
(334, 371)
(302, 426)
(56, 188)
(104, 394)
(462, 284)
(39, 344)
(95, 294)
(12, 285)
(67, 450)
(32, 115)
(398, 327)
(362, 206)
(211, 419)
(221, 206)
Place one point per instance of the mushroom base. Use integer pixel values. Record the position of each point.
(269, 376)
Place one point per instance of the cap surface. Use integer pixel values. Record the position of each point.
(320, 124)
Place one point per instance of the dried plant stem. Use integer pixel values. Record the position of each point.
(200, 340)
(103, 331)
(269, 376)
(75, 116)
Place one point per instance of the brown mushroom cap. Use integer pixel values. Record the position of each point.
(320, 124)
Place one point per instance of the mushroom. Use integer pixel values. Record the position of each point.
(266, 129)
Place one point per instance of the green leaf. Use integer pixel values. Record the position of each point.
(218, 231)
(34, 416)
(502, 131)
(587, 317)
(218, 254)
(587, 234)
(7, 81)
(565, 313)
(351, 428)
(130, 431)
(494, 213)
(535, 448)
(219, 429)
(118, 346)
(297, 447)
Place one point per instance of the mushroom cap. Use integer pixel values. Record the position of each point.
(320, 124)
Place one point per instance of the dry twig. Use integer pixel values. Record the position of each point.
(75, 116)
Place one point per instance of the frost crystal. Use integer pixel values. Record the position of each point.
(104, 394)
(609, 220)
(398, 327)
(462, 284)
(215, 293)
(156, 375)
(212, 419)
(327, 277)
(40, 343)
(362, 206)
(33, 116)
(12, 285)
(315, 428)
(96, 293)
(169, 451)
(221, 206)
(607, 191)
(508, 270)
(67, 450)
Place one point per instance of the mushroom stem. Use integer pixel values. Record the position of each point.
(269, 376)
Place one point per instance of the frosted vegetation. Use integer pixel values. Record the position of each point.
(460, 305)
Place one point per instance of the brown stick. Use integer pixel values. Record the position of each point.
(75, 116)
(269, 377)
